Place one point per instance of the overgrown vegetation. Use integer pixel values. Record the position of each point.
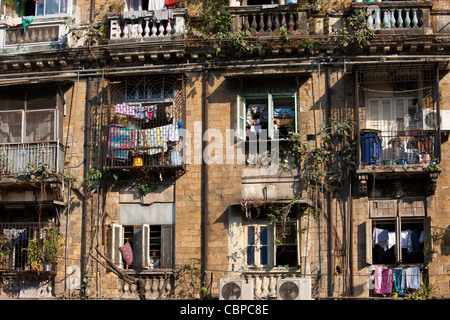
(212, 22)
(323, 165)
(360, 34)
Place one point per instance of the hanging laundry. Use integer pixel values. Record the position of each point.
(413, 278)
(405, 237)
(383, 281)
(399, 281)
(156, 4)
(127, 254)
(391, 239)
(140, 111)
(413, 242)
(26, 21)
(151, 112)
(380, 237)
(124, 109)
(118, 140)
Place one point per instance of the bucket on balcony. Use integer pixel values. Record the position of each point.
(138, 162)
(371, 152)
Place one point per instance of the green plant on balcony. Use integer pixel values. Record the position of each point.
(45, 250)
(5, 252)
(360, 34)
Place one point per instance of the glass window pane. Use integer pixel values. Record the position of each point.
(263, 255)
(51, 6)
(250, 255)
(40, 8)
(251, 236)
(63, 6)
(263, 236)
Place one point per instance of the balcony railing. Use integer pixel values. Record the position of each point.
(147, 25)
(399, 148)
(21, 159)
(51, 31)
(398, 16)
(14, 241)
(263, 20)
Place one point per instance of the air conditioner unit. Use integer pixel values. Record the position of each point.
(429, 119)
(235, 289)
(294, 289)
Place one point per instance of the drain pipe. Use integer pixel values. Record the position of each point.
(204, 172)
(87, 140)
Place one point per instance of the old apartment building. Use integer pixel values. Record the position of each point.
(245, 149)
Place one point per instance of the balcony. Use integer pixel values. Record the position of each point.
(398, 17)
(25, 158)
(415, 147)
(49, 32)
(147, 117)
(146, 25)
(264, 20)
(15, 238)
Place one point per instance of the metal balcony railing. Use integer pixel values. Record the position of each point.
(24, 158)
(14, 241)
(399, 148)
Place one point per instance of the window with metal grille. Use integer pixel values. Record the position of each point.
(146, 118)
(29, 115)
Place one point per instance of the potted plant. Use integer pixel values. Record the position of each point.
(116, 7)
(5, 252)
(50, 247)
(34, 254)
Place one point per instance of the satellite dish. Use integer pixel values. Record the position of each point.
(231, 291)
(289, 291)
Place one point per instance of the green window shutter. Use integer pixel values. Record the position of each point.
(241, 117)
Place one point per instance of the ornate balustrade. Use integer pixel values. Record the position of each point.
(156, 286)
(146, 25)
(265, 283)
(264, 20)
(398, 16)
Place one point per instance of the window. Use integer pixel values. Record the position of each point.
(397, 232)
(269, 114)
(151, 246)
(30, 115)
(392, 114)
(42, 7)
(268, 245)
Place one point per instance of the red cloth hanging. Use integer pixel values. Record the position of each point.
(127, 253)
(170, 4)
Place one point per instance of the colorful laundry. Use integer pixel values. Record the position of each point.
(388, 280)
(119, 139)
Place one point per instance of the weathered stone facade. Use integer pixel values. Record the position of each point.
(212, 217)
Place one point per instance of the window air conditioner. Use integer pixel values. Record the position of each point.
(294, 289)
(235, 289)
(429, 119)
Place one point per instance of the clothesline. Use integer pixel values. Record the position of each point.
(410, 239)
(388, 280)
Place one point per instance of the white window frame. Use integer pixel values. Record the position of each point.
(241, 112)
(271, 244)
(388, 110)
(57, 121)
(141, 243)
(257, 253)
